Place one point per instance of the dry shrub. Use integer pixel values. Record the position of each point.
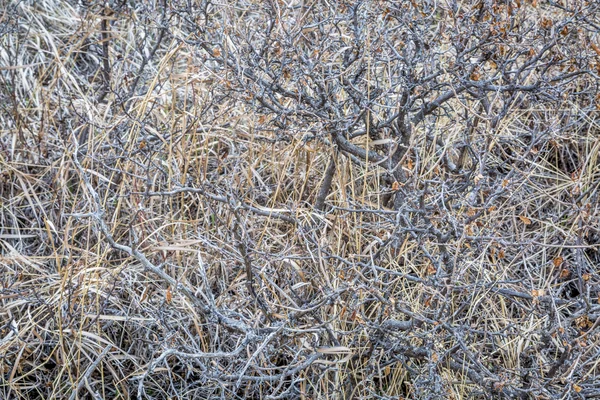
(299, 199)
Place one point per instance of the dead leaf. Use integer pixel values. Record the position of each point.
(595, 47)
(546, 23)
(585, 277)
(431, 269)
(584, 322)
(525, 220)
(557, 261)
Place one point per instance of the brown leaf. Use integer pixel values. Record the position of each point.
(525, 220)
(595, 47)
(584, 322)
(585, 277)
(469, 230)
(431, 269)
(427, 302)
(557, 261)
(546, 23)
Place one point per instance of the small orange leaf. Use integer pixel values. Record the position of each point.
(577, 388)
(277, 49)
(395, 186)
(431, 269)
(585, 277)
(168, 295)
(538, 292)
(469, 230)
(525, 220)
(584, 322)
(557, 261)
(595, 47)
(546, 23)
(427, 302)
(565, 273)
(216, 52)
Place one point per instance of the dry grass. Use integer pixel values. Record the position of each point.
(173, 315)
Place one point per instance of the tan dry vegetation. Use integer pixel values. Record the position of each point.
(158, 236)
